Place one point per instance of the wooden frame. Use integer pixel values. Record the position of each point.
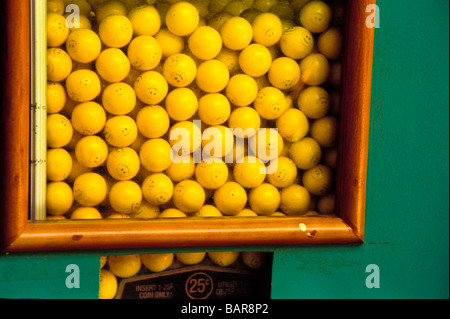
(18, 234)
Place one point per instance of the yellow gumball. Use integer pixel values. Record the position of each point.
(285, 174)
(157, 262)
(185, 138)
(151, 87)
(218, 19)
(267, 144)
(172, 213)
(296, 43)
(237, 33)
(56, 97)
(240, 149)
(115, 31)
(77, 168)
(145, 211)
(255, 60)
(59, 130)
(155, 155)
(208, 211)
(318, 180)
(294, 200)
(254, 259)
(270, 103)
(83, 45)
(59, 198)
(246, 213)
(89, 189)
(108, 285)
(113, 65)
(236, 7)
(330, 43)
(157, 189)
(91, 151)
(212, 76)
(223, 258)
(325, 131)
(181, 104)
(88, 118)
(188, 196)
(183, 169)
(107, 8)
(120, 131)
(267, 29)
(315, 69)
(85, 213)
(169, 42)
(214, 109)
(144, 52)
(264, 5)
(59, 164)
(56, 6)
(124, 266)
(211, 174)
(145, 20)
(250, 14)
(59, 64)
(217, 6)
(217, 141)
(230, 198)
(250, 172)
(284, 73)
(230, 58)
(125, 197)
(205, 43)
(153, 121)
(80, 22)
(57, 30)
(241, 89)
(191, 258)
(179, 70)
(326, 204)
(244, 121)
(182, 18)
(123, 163)
(83, 5)
(284, 10)
(306, 153)
(83, 85)
(119, 98)
(292, 125)
(315, 16)
(314, 102)
(264, 199)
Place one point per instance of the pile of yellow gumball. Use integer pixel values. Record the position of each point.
(115, 268)
(258, 78)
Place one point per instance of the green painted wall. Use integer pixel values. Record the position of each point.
(407, 208)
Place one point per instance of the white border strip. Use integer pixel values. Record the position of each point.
(38, 110)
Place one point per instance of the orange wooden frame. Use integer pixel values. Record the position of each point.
(18, 234)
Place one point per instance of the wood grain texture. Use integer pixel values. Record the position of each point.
(189, 232)
(15, 97)
(182, 232)
(355, 116)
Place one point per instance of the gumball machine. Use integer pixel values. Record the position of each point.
(184, 149)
